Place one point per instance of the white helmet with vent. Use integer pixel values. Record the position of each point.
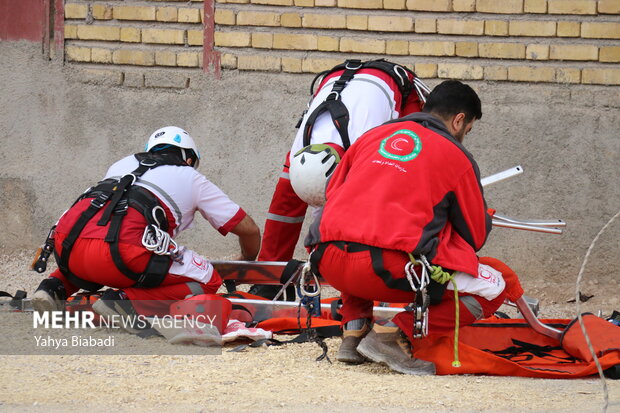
(310, 168)
(173, 136)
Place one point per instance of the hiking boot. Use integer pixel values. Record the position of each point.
(351, 338)
(388, 345)
(49, 296)
(119, 312)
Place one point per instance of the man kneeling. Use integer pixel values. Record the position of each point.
(120, 233)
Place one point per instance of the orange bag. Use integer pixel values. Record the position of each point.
(510, 347)
(604, 337)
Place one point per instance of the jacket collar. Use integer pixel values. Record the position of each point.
(430, 122)
(436, 125)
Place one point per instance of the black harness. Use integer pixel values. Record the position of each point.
(333, 103)
(117, 195)
(434, 289)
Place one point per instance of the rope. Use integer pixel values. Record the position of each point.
(577, 304)
(457, 317)
(441, 276)
(311, 334)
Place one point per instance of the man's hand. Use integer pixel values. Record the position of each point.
(249, 238)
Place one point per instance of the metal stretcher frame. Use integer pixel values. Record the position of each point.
(268, 272)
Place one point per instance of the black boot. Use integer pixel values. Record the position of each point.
(49, 296)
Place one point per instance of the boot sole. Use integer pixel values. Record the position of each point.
(380, 358)
(43, 302)
(102, 308)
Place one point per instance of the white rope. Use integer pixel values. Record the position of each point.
(583, 328)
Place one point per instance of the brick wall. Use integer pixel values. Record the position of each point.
(555, 41)
(133, 42)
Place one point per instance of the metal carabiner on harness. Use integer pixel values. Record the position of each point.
(420, 307)
(154, 214)
(158, 241)
(397, 69)
(422, 90)
(302, 282)
(311, 300)
(146, 162)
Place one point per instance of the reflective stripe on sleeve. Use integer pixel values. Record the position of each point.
(282, 218)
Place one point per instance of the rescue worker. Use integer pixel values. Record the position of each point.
(372, 92)
(124, 237)
(407, 189)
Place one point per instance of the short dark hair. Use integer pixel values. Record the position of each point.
(452, 97)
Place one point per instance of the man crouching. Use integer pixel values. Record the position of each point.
(407, 189)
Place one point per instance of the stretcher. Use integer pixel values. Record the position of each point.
(244, 272)
(270, 272)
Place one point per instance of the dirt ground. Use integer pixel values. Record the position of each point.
(275, 379)
(59, 135)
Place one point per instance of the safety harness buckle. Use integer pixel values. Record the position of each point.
(148, 163)
(100, 200)
(140, 280)
(333, 95)
(353, 64)
(121, 207)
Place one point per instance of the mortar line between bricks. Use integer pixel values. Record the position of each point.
(426, 59)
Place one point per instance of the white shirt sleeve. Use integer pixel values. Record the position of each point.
(215, 206)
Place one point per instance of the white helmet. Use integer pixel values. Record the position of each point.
(175, 136)
(310, 168)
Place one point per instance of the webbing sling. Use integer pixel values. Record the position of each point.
(121, 195)
(333, 103)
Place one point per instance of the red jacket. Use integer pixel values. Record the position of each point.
(408, 185)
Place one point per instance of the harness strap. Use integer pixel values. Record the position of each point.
(120, 196)
(117, 193)
(377, 265)
(67, 245)
(376, 255)
(400, 75)
(333, 104)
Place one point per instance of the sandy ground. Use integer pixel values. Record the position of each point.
(64, 134)
(285, 378)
